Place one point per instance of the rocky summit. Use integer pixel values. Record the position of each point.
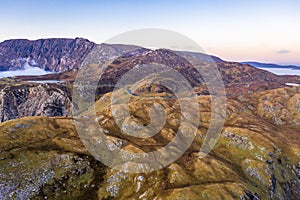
(44, 155)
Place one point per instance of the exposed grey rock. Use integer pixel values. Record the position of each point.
(21, 125)
(58, 55)
(238, 141)
(255, 174)
(34, 100)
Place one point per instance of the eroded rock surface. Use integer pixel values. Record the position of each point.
(21, 100)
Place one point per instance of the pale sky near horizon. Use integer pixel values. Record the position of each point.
(250, 30)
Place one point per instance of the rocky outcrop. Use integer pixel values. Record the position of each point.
(31, 99)
(46, 174)
(279, 106)
(39, 160)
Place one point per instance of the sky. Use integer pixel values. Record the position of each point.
(235, 30)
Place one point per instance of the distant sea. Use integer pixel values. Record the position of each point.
(282, 71)
(275, 68)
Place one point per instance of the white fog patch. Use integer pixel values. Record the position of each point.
(26, 71)
(292, 84)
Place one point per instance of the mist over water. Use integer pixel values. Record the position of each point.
(26, 71)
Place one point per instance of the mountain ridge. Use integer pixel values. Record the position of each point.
(15, 58)
(67, 53)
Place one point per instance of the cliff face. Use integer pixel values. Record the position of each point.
(58, 55)
(20, 100)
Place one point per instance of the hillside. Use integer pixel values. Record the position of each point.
(253, 158)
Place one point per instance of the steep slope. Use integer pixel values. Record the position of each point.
(19, 100)
(58, 55)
